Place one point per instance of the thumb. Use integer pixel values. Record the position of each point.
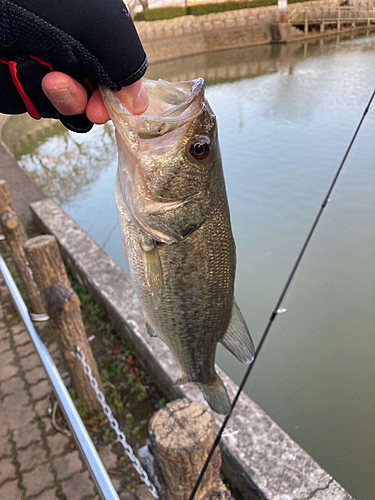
(134, 98)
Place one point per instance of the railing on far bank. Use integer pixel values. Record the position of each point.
(337, 16)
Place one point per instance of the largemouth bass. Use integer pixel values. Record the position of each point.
(176, 233)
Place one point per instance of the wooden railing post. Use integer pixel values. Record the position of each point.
(6, 203)
(15, 237)
(182, 434)
(63, 306)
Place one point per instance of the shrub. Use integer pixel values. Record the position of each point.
(201, 9)
(160, 13)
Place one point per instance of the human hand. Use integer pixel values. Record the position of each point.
(70, 98)
(71, 46)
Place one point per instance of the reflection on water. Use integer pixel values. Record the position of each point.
(249, 62)
(65, 165)
(286, 115)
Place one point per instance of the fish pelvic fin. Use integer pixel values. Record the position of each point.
(152, 270)
(237, 338)
(216, 396)
(151, 330)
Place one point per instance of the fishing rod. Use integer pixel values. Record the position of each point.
(278, 309)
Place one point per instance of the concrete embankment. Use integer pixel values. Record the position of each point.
(187, 35)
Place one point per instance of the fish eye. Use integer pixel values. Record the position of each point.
(199, 148)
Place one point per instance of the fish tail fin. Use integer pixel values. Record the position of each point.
(216, 396)
(237, 337)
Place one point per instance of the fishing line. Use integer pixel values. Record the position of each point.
(278, 308)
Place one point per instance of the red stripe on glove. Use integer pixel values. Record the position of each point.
(30, 108)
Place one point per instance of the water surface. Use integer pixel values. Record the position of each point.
(286, 115)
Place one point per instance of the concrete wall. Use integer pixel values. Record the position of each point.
(181, 36)
(261, 461)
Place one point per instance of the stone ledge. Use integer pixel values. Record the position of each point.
(265, 462)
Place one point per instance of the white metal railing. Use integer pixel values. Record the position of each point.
(300, 15)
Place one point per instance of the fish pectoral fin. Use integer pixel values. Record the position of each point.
(153, 271)
(158, 230)
(216, 396)
(237, 338)
(169, 221)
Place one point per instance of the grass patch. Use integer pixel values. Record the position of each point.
(160, 13)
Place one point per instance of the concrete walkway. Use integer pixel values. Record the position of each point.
(36, 461)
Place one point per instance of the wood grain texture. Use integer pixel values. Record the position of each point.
(45, 260)
(182, 434)
(15, 236)
(6, 203)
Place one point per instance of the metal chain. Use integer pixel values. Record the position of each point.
(115, 425)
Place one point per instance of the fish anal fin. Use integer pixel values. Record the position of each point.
(237, 338)
(153, 271)
(216, 396)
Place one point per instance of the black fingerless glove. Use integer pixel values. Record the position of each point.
(94, 41)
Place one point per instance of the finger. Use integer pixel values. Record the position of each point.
(95, 110)
(65, 93)
(134, 98)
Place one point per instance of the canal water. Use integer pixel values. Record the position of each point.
(286, 115)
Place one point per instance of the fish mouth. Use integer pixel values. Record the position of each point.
(171, 105)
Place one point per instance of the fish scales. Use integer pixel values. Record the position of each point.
(176, 232)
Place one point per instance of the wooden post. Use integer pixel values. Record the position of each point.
(6, 203)
(182, 434)
(322, 23)
(15, 237)
(63, 306)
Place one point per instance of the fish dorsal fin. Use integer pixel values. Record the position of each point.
(237, 337)
(153, 271)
